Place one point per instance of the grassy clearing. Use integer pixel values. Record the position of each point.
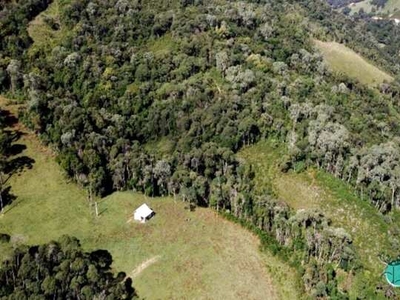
(161, 147)
(41, 32)
(344, 60)
(365, 5)
(317, 189)
(390, 7)
(199, 254)
(162, 45)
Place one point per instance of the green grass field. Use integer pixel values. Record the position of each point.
(177, 255)
(342, 59)
(315, 189)
(365, 5)
(391, 7)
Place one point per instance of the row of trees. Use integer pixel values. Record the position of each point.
(7, 165)
(372, 169)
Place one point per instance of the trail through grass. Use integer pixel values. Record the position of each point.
(342, 59)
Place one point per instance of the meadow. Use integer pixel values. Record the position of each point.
(342, 59)
(390, 7)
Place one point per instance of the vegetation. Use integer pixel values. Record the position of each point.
(223, 259)
(202, 79)
(343, 3)
(315, 190)
(45, 29)
(378, 6)
(61, 270)
(344, 60)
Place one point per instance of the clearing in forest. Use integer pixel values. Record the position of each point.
(342, 59)
(201, 255)
(315, 189)
(44, 29)
(391, 6)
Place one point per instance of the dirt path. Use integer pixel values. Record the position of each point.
(147, 263)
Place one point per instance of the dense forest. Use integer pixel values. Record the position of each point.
(158, 96)
(61, 270)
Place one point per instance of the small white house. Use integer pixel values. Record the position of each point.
(143, 213)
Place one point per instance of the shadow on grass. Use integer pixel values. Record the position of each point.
(16, 149)
(103, 211)
(102, 258)
(18, 164)
(9, 119)
(8, 198)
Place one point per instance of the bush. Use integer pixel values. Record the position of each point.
(5, 238)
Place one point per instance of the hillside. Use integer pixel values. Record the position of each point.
(164, 98)
(198, 254)
(314, 190)
(344, 60)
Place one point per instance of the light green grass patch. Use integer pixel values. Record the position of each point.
(164, 146)
(38, 30)
(342, 59)
(365, 5)
(161, 45)
(390, 7)
(41, 33)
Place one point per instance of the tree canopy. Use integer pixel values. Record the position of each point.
(62, 270)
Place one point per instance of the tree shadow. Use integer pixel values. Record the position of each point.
(102, 258)
(191, 207)
(9, 119)
(102, 212)
(18, 164)
(8, 197)
(128, 285)
(16, 149)
(15, 135)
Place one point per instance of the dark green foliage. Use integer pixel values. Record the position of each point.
(379, 3)
(61, 270)
(8, 166)
(14, 38)
(14, 18)
(4, 238)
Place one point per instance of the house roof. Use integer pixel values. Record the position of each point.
(144, 210)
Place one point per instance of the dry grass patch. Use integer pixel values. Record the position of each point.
(344, 60)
